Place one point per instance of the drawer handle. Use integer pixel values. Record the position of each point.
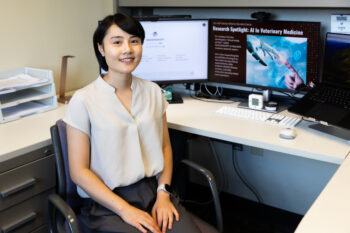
(18, 222)
(48, 152)
(17, 187)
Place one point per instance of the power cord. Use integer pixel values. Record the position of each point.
(223, 179)
(290, 95)
(218, 92)
(244, 181)
(193, 96)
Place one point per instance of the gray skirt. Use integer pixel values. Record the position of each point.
(142, 194)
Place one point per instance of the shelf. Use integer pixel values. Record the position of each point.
(24, 109)
(27, 95)
(26, 99)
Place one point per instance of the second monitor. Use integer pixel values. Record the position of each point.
(281, 55)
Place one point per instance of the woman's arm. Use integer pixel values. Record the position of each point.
(165, 177)
(163, 210)
(79, 167)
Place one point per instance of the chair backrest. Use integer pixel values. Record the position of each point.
(65, 186)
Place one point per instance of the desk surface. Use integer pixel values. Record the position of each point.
(27, 134)
(199, 118)
(330, 211)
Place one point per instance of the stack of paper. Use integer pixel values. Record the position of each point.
(19, 81)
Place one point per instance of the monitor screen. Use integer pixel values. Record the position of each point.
(336, 67)
(174, 51)
(279, 55)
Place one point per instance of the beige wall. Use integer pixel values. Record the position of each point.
(37, 33)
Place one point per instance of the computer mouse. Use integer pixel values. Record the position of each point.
(288, 133)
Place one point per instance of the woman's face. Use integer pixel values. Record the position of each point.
(121, 50)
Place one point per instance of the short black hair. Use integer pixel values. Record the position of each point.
(125, 22)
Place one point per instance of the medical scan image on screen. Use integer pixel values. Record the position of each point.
(276, 61)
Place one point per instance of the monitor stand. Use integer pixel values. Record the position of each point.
(332, 130)
(267, 95)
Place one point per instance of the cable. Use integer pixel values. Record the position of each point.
(213, 101)
(220, 166)
(218, 92)
(291, 96)
(245, 182)
(228, 101)
(209, 92)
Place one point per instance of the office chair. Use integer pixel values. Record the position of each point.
(64, 204)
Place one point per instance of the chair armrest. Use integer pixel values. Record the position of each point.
(56, 203)
(212, 184)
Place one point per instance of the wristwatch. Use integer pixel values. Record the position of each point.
(165, 188)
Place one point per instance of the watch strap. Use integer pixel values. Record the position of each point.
(161, 187)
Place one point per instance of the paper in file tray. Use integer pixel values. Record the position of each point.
(26, 91)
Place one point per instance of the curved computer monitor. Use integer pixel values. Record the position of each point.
(174, 51)
(275, 55)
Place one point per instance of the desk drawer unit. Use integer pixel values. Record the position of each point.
(25, 217)
(26, 181)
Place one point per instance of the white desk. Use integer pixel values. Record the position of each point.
(199, 118)
(330, 211)
(27, 134)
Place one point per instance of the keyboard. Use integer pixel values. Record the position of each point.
(332, 95)
(267, 117)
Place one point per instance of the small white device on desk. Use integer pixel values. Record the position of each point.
(255, 101)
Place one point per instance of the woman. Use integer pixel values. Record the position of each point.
(118, 141)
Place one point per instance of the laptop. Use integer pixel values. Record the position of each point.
(329, 100)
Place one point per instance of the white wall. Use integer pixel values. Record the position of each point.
(37, 33)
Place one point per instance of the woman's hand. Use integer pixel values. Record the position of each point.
(164, 211)
(139, 219)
